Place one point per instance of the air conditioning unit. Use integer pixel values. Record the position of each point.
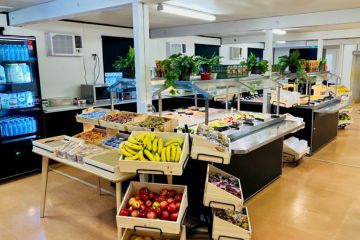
(64, 45)
(235, 53)
(175, 48)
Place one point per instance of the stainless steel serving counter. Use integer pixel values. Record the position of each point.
(333, 108)
(264, 136)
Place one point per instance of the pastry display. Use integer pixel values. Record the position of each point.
(120, 117)
(92, 136)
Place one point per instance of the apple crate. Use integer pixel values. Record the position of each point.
(114, 125)
(53, 143)
(163, 168)
(165, 226)
(105, 163)
(154, 233)
(218, 198)
(205, 150)
(94, 121)
(224, 230)
(168, 126)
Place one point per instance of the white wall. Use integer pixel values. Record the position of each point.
(225, 51)
(62, 76)
(347, 64)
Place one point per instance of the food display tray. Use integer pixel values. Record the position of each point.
(223, 229)
(93, 121)
(53, 143)
(218, 198)
(164, 226)
(163, 168)
(168, 126)
(155, 233)
(115, 125)
(98, 142)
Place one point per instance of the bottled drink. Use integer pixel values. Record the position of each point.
(15, 127)
(13, 101)
(29, 99)
(22, 100)
(2, 58)
(6, 52)
(25, 52)
(2, 75)
(17, 51)
(11, 52)
(9, 129)
(26, 72)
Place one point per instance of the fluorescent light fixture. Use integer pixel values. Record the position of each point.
(279, 32)
(280, 42)
(185, 12)
(6, 7)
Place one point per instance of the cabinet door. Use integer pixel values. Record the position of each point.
(324, 129)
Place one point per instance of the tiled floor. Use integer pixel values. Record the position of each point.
(317, 200)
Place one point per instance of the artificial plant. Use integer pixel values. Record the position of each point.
(292, 61)
(256, 67)
(209, 63)
(127, 63)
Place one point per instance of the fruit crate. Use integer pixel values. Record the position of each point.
(115, 125)
(53, 143)
(163, 168)
(205, 150)
(223, 229)
(105, 163)
(81, 118)
(95, 130)
(164, 226)
(153, 233)
(169, 125)
(218, 198)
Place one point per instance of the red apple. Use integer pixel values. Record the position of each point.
(171, 193)
(142, 208)
(158, 212)
(170, 200)
(135, 213)
(148, 203)
(165, 215)
(173, 216)
(137, 198)
(151, 215)
(172, 208)
(124, 212)
(163, 205)
(163, 192)
(143, 214)
(130, 209)
(155, 205)
(143, 190)
(161, 198)
(178, 197)
(156, 199)
(144, 196)
(152, 195)
(136, 205)
(177, 205)
(141, 202)
(149, 209)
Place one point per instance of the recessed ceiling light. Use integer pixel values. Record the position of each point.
(279, 32)
(280, 42)
(6, 7)
(185, 12)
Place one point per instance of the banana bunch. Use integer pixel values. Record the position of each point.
(148, 147)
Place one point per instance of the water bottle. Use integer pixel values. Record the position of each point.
(4, 129)
(26, 72)
(2, 75)
(25, 53)
(17, 52)
(29, 99)
(6, 52)
(15, 127)
(33, 125)
(2, 57)
(9, 129)
(11, 52)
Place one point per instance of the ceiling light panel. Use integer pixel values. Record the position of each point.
(185, 12)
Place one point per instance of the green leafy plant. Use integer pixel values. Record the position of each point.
(209, 63)
(256, 67)
(291, 61)
(127, 63)
(323, 62)
(179, 67)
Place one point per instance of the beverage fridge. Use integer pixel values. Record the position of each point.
(20, 106)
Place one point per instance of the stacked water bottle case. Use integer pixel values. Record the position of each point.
(17, 125)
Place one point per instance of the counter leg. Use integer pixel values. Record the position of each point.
(120, 233)
(169, 179)
(118, 195)
(98, 185)
(44, 179)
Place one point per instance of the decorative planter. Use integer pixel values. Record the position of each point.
(184, 76)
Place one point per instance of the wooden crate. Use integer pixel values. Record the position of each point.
(154, 233)
(165, 225)
(94, 121)
(98, 142)
(168, 126)
(165, 168)
(218, 198)
(223, 230)
(114, 125)
(105, 163)
(53, 143)
(204, 150)
(122, 135)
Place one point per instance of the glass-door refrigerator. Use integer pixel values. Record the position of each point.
(20, 106)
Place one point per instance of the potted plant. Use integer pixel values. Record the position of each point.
(323, 65)
(126, 65)
(179, 67)
(301, 79)
(291, 61)
(257, 67)
(207, 65)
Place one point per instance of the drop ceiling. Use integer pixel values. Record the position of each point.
(19, 4)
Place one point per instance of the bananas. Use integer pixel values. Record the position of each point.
(147, 146)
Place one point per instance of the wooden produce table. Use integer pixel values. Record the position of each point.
(46, 155)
